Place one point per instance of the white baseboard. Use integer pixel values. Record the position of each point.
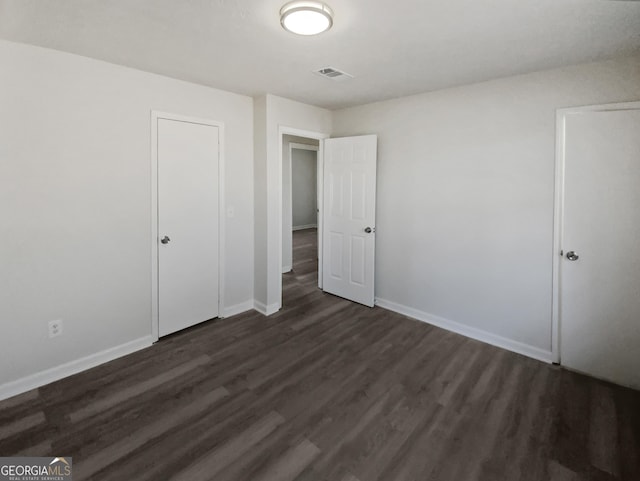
(472, 332)
(302, 227)
(237, 309)
(53, 374)
(286, 269)
(264, 309)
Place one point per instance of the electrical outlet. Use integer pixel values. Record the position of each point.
(55, 328)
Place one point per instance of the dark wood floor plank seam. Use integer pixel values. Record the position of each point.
(219, 458)
(21, 424)
(122, 395)
(103, 458)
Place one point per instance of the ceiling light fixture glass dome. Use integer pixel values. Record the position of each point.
(306, 18)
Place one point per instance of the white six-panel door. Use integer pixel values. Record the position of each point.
(349, 217)
(600, 242)
(188, 158)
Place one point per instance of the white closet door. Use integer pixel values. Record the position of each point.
(600, 269)
(188, 158)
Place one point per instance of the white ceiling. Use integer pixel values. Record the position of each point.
(393, 48)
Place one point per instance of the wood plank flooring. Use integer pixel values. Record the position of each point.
(327, 390)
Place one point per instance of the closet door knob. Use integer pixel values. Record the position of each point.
(573, 256)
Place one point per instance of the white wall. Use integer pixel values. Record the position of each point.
(465, 197)
(273, 114)
(75, 202)
(304, 187)
(287, 212)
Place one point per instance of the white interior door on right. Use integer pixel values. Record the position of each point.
(600, 268)
(348, 252)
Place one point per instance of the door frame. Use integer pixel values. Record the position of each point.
(558, 210)
(155, 116)
(319, 136)
(289, 167)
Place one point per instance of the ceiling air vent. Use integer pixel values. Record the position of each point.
(333, 73)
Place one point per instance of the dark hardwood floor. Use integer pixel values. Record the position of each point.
(327, 390)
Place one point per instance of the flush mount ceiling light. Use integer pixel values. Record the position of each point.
(306, 18)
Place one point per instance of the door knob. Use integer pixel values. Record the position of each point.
(368, 230)
(165, 240)
(573, 256)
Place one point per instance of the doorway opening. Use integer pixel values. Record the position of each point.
(285, 232)
(300, 212)
(346, 230)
